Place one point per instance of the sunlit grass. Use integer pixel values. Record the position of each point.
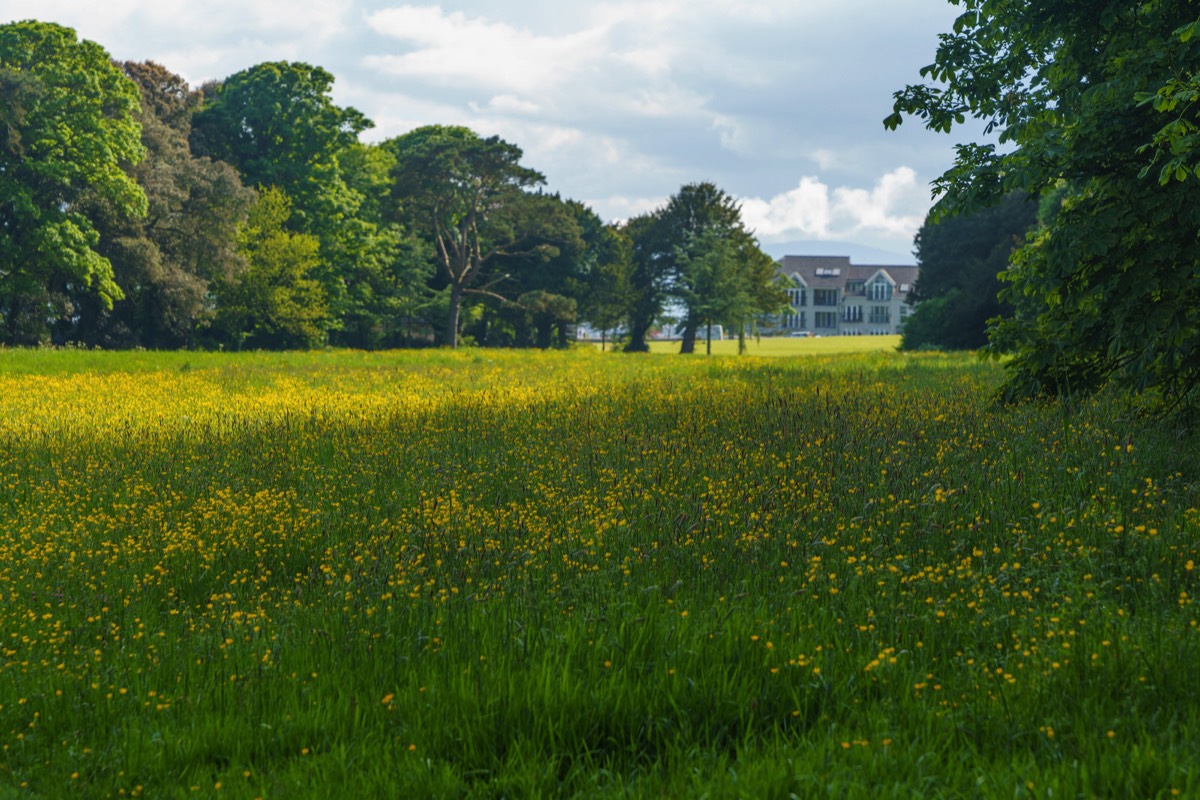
(774, 346)
(515, 574)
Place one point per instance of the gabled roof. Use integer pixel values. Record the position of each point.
(831, 272)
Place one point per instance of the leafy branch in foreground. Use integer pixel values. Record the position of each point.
(1109, 288)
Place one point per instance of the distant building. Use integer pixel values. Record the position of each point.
(829, 296)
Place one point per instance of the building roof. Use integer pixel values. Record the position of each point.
(833, 271)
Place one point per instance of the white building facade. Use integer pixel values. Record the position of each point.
(829, 296)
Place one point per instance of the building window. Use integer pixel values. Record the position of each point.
(880, 315)
(855, 287)
(825, 319)
(852, 314)
(879, 291)
(825, 297)
(798, 296)
(794, 321)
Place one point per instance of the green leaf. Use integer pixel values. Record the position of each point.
(1186, 33)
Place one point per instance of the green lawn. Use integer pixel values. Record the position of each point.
(773, 346)
(488, 574)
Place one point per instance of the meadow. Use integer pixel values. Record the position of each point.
(506, 574)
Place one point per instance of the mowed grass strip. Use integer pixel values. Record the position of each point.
(520, 574)
(776, 346)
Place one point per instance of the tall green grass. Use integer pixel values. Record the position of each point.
(494, 574)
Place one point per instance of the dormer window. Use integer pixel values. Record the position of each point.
(879, 290)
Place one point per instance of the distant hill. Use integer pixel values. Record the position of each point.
(859, 254)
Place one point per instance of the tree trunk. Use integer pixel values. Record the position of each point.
(545, 333)
(708, 340)
(637, 337)
(688, 343)
(641, 318)
(452, 317)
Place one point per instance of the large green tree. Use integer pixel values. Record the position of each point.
(548, 282)
(961, 259)
(68, 127)
(166, 262)
(1100, 97)
(468, 197)
(383, 270)
(696, 252)
(276, 304)
(277, 124)
(610, 293)
(725, 280)
(649, 278)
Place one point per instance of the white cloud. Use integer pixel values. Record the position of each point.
(453, 48)
(883, 208)
(619, 208)
(197, 40)
(310, 20)
(620, 55)
(733, 134)
(507, 104)
(654, 61)
(891, 210)
(804, 211)
(247, 19)
(664, 102)
(825, 158)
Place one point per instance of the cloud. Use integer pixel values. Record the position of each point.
(310, 20)
(507, 104)
(618, 55)
(805, 211)
(198, 40)
(451, 48)
(825, 158)
(882, 207)
(891, 210)
(619, 208)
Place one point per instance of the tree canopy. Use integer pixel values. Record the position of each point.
(467, 194)
(961, 259)
(1098, 98)
(68, 127)
(276, 304)
(278, 125)
(695, 252)
(168, 261)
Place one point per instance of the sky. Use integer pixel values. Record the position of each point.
(778, 102)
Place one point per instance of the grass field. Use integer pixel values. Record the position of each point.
(773, 346)
(501, 574)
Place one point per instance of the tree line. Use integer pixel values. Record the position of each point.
(139, 211)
